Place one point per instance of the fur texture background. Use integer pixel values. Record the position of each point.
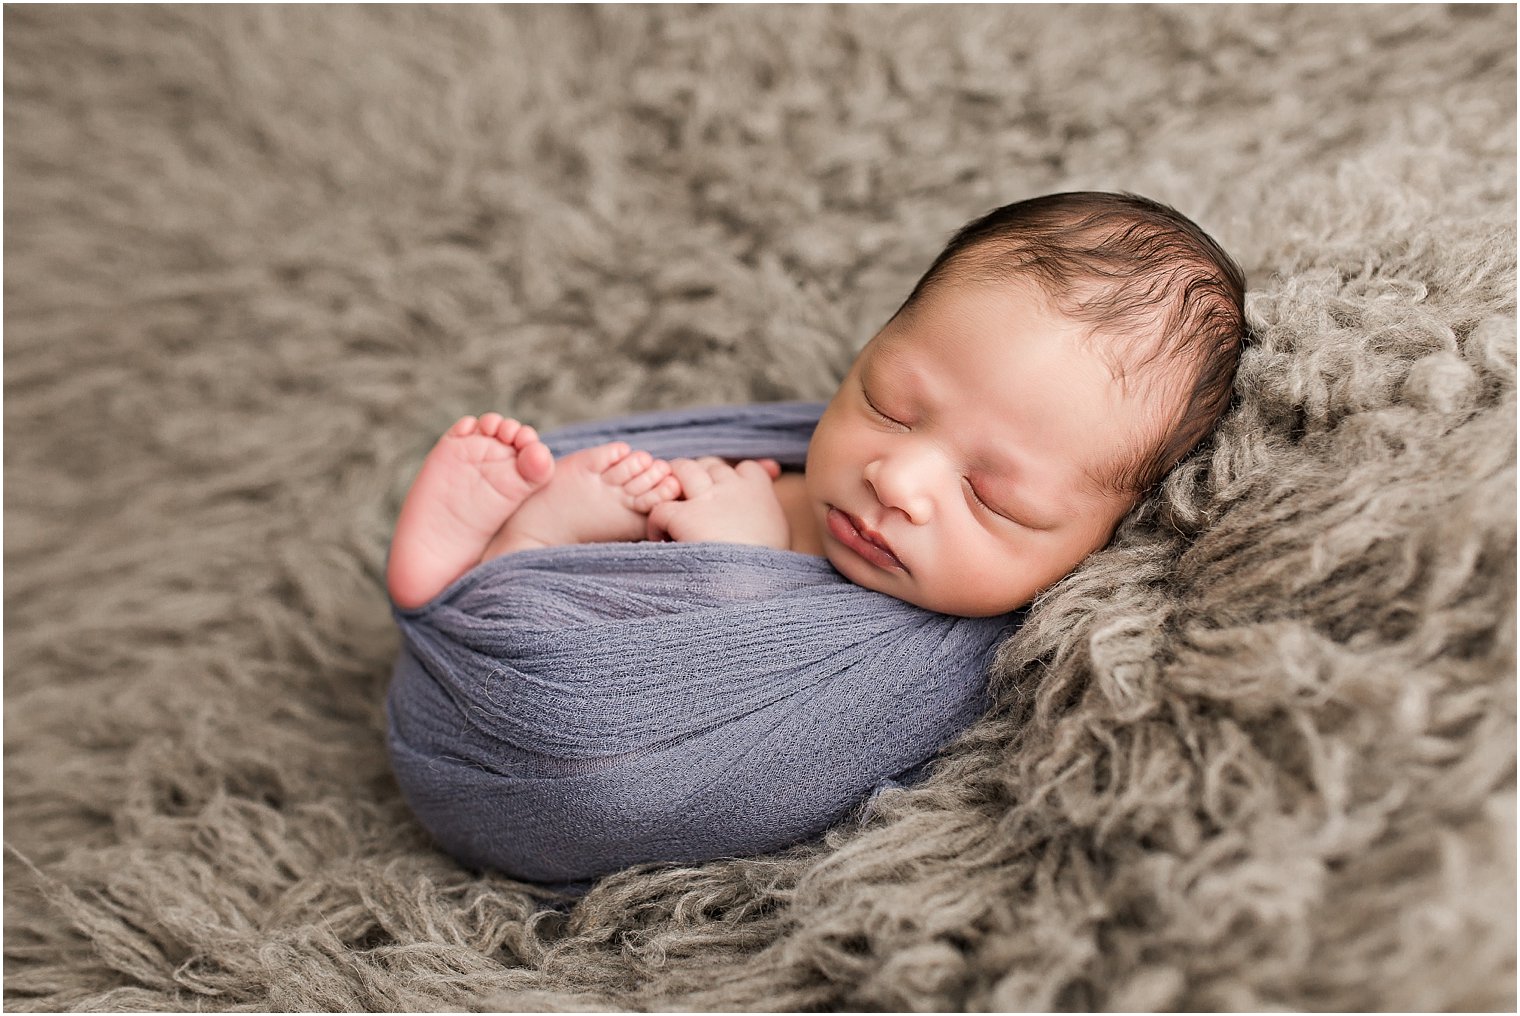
(1258, 753)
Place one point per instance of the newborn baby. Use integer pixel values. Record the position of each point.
(1058, 357)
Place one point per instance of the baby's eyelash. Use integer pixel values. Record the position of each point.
(983, 503)
(872, 406)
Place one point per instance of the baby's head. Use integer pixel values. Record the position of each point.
(1059, 356)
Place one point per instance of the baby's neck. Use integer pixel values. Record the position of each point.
(792, 494)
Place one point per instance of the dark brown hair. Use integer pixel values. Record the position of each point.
(1150, 283)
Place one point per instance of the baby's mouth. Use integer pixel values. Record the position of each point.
(854, 534)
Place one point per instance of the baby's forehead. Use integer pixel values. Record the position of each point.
(1126, 326)
(1137, 366)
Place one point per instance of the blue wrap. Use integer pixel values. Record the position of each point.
(559, 714)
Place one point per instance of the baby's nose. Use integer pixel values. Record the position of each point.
(896, 486)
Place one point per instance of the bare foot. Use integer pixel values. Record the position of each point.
(473, 480)
(598, 495)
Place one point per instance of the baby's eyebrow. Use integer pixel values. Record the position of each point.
(892, 367)
(908, 365)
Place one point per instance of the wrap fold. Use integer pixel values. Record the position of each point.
(559, 714)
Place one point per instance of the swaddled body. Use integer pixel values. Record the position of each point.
(560, 713)
(576, 702)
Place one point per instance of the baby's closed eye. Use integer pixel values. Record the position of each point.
(1005, 516)
(875, 410)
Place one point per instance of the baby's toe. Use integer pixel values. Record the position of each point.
(524, 437)
(667, 489)
(490, 423)
(618, 464)
(646, 479)
(535, 463)
(463, 427)
(507, 431)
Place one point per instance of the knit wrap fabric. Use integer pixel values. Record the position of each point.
(562, 713)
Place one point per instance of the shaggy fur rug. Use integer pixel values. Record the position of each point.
(1258, 753)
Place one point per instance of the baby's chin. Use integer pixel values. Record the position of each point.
(905, 589)
(859, 572)
(864, 575)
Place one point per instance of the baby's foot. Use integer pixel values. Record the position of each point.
(598, 495)
(475, 477)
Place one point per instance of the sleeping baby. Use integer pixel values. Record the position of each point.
(1057, 358)
(623, 655)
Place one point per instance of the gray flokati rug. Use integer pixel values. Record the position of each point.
(1260, 753)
